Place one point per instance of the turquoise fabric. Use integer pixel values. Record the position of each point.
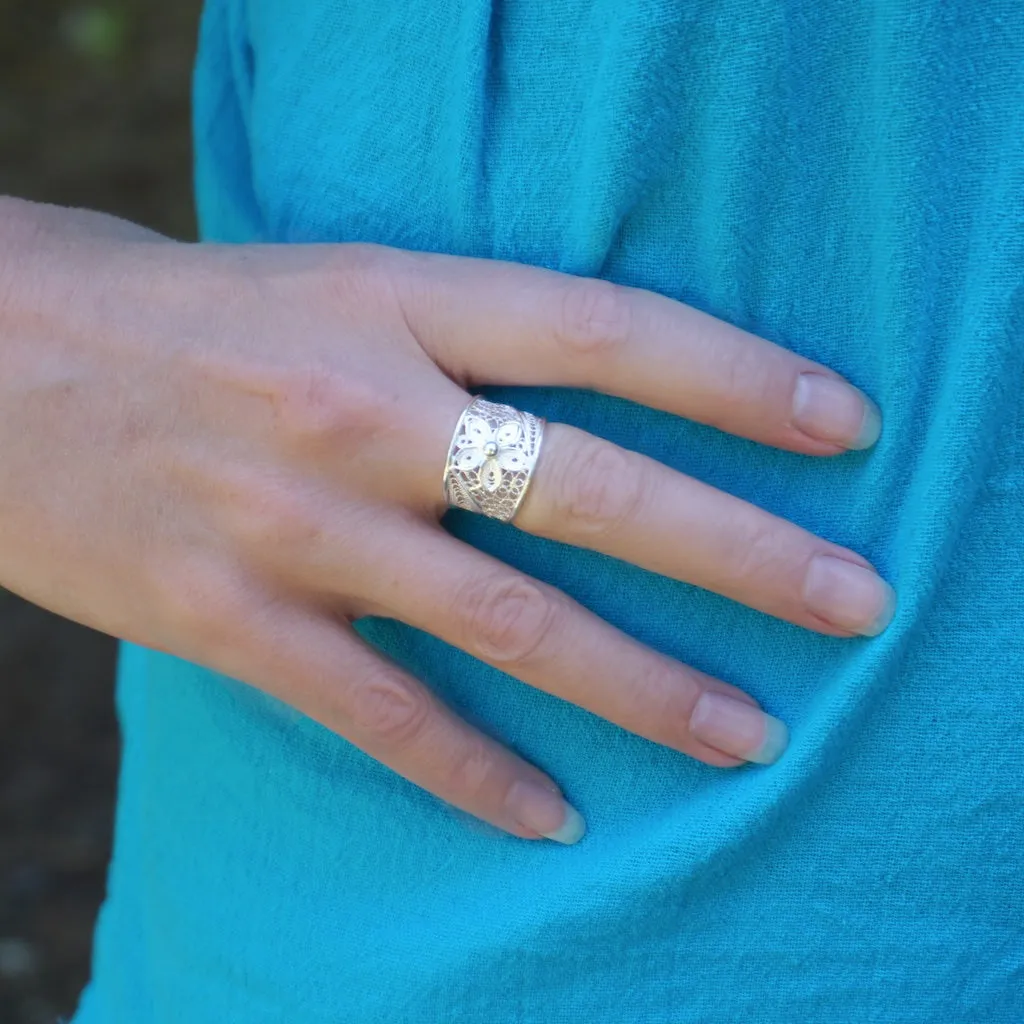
(846, 179)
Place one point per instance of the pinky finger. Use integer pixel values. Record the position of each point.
(326, 670)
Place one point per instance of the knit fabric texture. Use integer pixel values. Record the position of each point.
(845, 179)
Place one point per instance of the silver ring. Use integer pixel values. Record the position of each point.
(491, 459)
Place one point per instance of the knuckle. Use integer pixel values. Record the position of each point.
(508, 618)
(359, 275)
(601, 488)
(319, 404)
(470, 771)
(662, 690)
(754, 553)
(386, 708)
(271, 518)
(595, 317)
(414, 296)
(745, 375)
(412, 283)
(201, 604)
(662, 694)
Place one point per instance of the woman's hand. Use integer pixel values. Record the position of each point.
(230, 453)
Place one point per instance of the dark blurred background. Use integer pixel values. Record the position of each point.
(94, 111)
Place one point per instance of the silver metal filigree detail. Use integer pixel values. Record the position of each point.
(491, 458)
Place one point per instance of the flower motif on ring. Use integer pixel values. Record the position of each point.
(490, 451)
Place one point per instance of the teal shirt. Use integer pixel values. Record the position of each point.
(845, 179)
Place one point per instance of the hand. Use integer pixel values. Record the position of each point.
(230, 453)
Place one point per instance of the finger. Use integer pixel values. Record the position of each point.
(495, 322)
(590, 493)
(542, 637)
(324, 669)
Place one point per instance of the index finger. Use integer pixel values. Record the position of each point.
(496, 322)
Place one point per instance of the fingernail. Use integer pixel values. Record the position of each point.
(831, 410)
(738, 728)
(545, 812)
(848, 595)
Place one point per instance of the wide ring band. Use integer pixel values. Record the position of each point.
(491, 459)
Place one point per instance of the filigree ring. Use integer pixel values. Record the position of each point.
(491, 459)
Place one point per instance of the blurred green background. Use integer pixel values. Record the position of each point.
(94, 112)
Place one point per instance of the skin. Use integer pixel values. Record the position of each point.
(229, 453)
